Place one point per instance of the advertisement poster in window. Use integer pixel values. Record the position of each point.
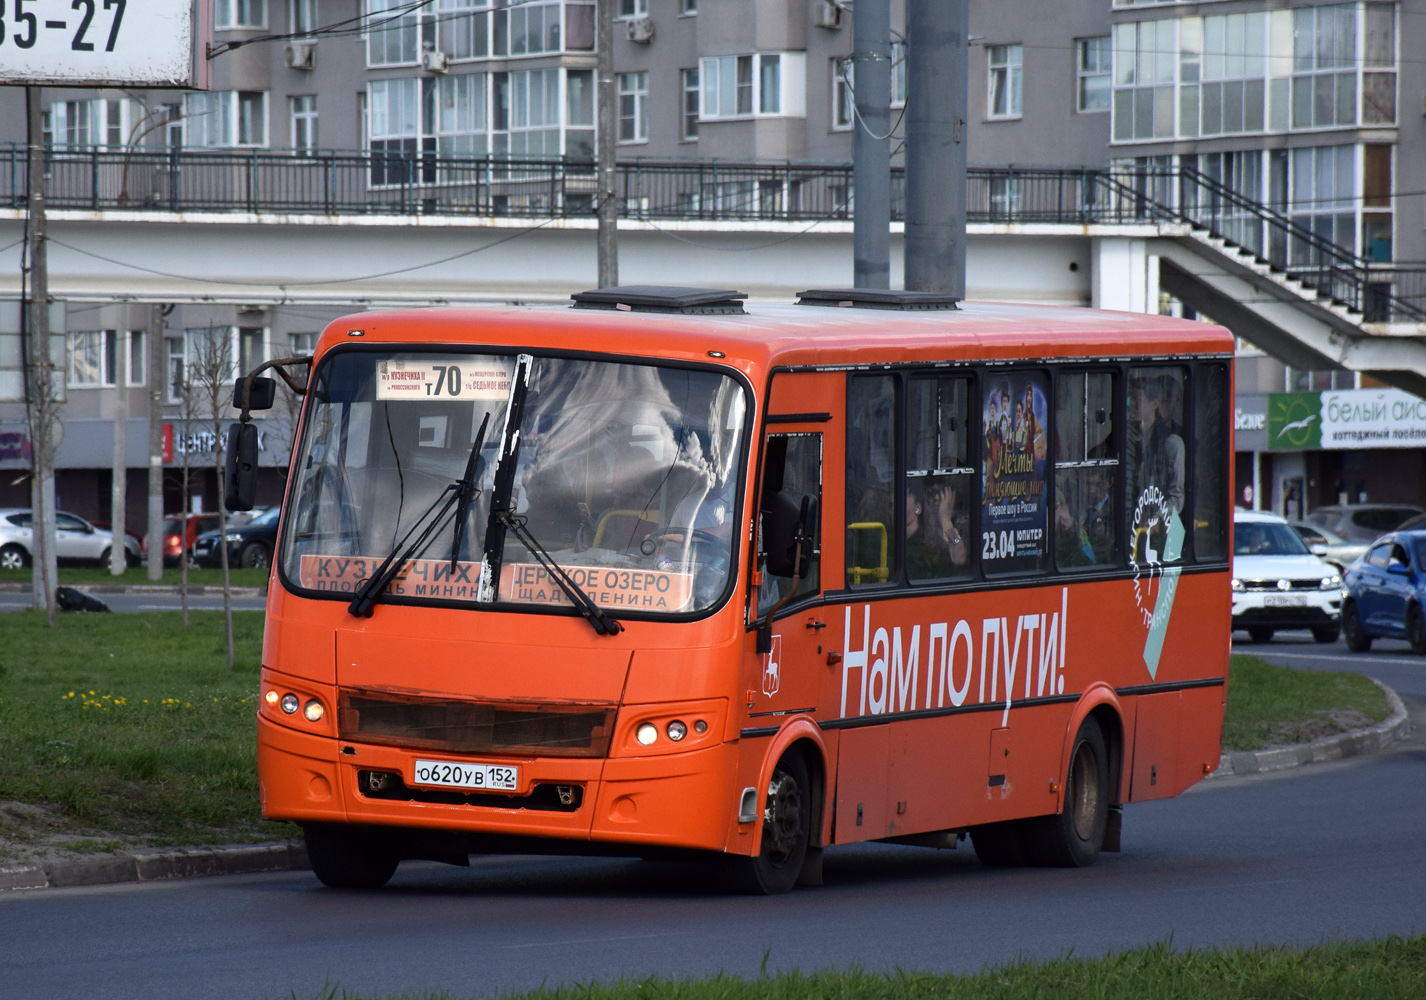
(1014, 520)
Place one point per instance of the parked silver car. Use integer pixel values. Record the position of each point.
(1362, 522)
(1327, 544)
(75, 539)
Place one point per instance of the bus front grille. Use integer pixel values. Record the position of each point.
(529, 729)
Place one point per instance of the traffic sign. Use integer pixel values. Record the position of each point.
(103, 43)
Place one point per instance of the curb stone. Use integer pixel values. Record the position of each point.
(152, 866)
(1350, 744)
(194, 589)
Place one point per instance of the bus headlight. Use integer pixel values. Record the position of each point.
(677, 730)
(290, 703)
(314, 711)
(646, 734)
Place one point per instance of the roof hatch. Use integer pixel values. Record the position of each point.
(662, 299)
(876, 298)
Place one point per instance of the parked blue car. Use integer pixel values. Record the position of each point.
(1386, 590)
(249, 545)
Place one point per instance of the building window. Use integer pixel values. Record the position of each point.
(239, 14)
(633, 107)
(392, 129)
(304, 123)
(93, 358)
(251, 118)
(463, 28)
(843, 94)
(689, 108)
(225, 118)
(1321, 196)
(1222, 66)
(304, 17)
(579, 114)
(393, 38)
(177, 364)
(458, 119)
(1095, 63)
(534, 28)
(898, 74)
(1144, 57)
(1324, 72)
(633, 8)
(686, 7)
(1379, 53)
(138, 358)
(1005, 70)
(252, 348)
(107, 122)
(770, 82)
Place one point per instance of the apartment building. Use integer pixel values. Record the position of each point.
(1307, 107)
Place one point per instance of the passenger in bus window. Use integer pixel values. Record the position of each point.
(1098, 516)
(1072, 545)
(1161, 452)
(937, 524)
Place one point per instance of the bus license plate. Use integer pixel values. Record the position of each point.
(455, 774)
(1285, 601)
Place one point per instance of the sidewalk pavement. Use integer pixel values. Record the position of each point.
(145, 866)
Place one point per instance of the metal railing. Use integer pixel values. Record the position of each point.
(426, 182)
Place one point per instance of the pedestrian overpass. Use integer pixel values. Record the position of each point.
(267, 228)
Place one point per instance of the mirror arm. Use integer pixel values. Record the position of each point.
(277, 365)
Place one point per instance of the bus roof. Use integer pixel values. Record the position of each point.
(782, 334)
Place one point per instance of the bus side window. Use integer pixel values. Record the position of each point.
(792, 463)
(1210, 444)
(1155, 464)
(938, 479)
(871, 480)
(1087, 449)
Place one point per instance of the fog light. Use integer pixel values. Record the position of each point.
(289, 703)
(700, 726)
(271, 697)
(677, 730)
(314, 710)
(646, 734)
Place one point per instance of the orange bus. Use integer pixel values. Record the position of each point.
(665, 574)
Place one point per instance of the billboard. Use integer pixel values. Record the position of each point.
(1345, 419)
(105, 43)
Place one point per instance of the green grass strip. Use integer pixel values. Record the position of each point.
(1270, 705)
(1367, 970)
(132, 725)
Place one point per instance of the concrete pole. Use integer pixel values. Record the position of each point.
(158, 379)
(607, 122)
(43, 410)
(937, 32)
(871, 144)
(118, 491)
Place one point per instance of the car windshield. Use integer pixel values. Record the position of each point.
(264, 520)
(1266, 538)
(626, 473)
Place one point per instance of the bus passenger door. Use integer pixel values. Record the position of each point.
(789, 674)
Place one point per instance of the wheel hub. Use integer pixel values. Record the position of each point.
(782, 818)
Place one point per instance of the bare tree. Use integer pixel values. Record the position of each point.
(187, 409)
(211, 367)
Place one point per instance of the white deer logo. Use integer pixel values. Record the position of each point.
(772, 669)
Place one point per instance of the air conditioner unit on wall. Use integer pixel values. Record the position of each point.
(300, 55)
(434, 62)
(828, 14)
(641, 30)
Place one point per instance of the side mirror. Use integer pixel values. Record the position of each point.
(789, 518)
(262, 395)
(241, 486)
(1318, 548)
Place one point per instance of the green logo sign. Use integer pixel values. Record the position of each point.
(1294, 421)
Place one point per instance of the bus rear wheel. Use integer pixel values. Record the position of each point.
(787, 830)
(1073, 837)
(348, 857)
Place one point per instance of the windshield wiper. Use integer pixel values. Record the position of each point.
(583, 603)
(460, 493)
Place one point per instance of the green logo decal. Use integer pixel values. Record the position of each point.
(1294, 421)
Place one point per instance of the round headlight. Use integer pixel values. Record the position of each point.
(1331, 582)
(646, 734)
(677, 730)
(314, 710)
(271, 697)
(700, 726)
(1237, 584)
(290, 703)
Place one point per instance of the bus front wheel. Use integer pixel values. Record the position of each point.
(1073, 837)
(348, 857)
(787, 830)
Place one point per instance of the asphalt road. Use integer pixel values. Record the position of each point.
(149, 602)
(1331, 851)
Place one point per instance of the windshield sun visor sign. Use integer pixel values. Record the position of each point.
(457, 378)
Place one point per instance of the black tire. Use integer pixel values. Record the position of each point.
(1416, 629)
(1326, 633)
(349, 857)
(14, 557)
(1352, 632)
(1260, 633)
(786, 832)
(1000, 845)
(1073, 837)
(254, 556)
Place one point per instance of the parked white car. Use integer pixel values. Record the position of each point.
(75, 539)
(1279, 584)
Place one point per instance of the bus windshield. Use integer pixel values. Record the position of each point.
(626, 474)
